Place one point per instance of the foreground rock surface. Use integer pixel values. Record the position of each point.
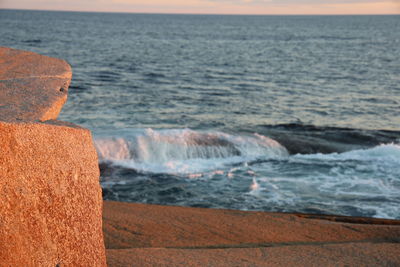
(50, 196)
(32, 86)
(152, 235)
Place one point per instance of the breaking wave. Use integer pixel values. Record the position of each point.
(184, 150)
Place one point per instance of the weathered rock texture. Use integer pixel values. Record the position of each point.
(50, 197)
(32, 87)
(152, 235)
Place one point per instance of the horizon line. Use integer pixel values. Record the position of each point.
(201, 14)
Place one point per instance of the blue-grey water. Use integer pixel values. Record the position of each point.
(273, 113)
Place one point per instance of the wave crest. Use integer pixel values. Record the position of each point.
(164, 150)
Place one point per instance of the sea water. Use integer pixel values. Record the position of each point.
(272, 113)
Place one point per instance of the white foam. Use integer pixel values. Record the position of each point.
(184, 151)
(384, 152)
(366, 180)
(255, 186)
(113, 149)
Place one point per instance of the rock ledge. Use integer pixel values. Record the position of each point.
(32, 87)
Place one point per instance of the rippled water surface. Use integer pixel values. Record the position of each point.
(275, 113)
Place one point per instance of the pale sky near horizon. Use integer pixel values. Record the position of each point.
(267, 7)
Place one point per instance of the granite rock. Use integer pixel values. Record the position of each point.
(51, 202)
(32, 87)
(153, 235)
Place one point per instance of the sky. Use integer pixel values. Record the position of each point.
(267, 7)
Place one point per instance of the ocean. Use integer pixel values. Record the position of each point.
(270, 113)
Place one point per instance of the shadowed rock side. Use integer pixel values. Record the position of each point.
(50, 200)
(32, 86)
(152, 235)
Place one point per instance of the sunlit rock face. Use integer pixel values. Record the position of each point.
(32, 87)
(51, 204)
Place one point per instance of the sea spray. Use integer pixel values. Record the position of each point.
(185, 150)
